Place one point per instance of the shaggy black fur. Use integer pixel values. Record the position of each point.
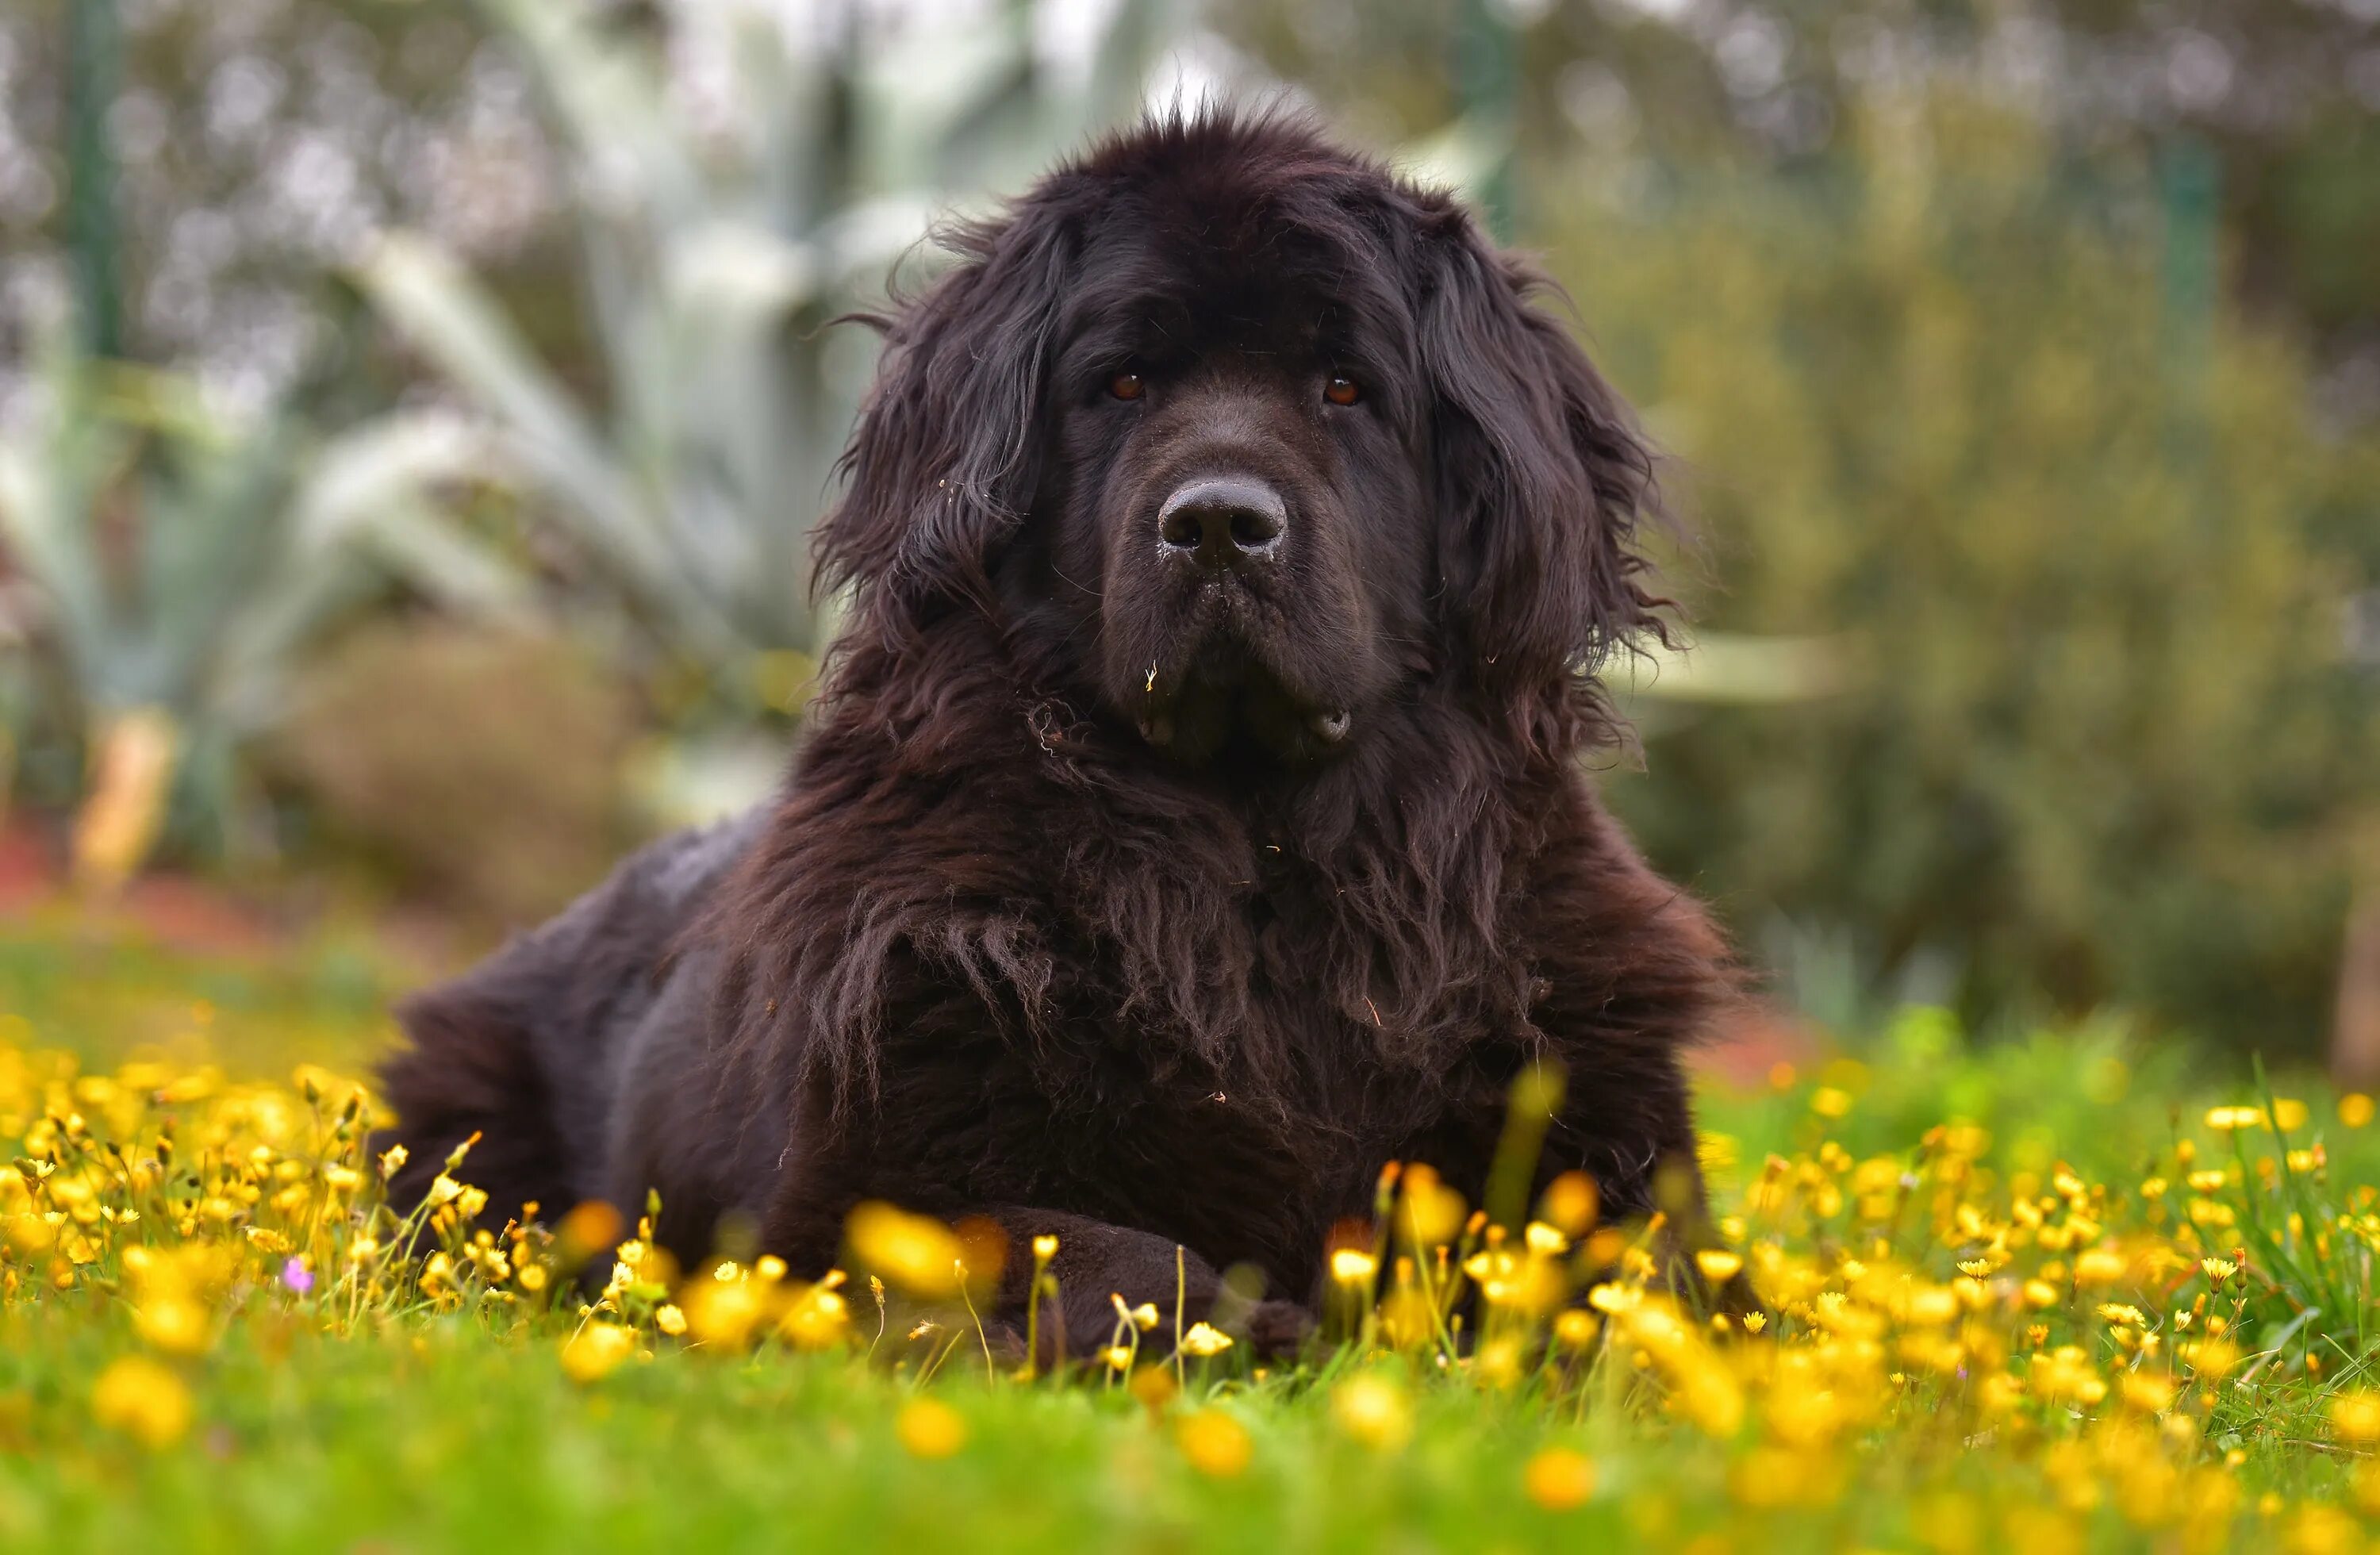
(1159, 862)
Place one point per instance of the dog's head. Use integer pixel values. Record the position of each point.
(1246, 439)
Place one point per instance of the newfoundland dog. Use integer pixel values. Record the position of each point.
(1192, 819)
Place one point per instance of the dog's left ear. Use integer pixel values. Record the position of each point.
(942, 461)
(1542, 474)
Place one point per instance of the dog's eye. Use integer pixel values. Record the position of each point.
(1342, 390)
(1127, 385)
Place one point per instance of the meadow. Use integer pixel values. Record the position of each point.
(2057, 1291)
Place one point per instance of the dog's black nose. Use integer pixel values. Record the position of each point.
(1223, 520)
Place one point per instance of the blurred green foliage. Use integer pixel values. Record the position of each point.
(175, 562)
(2088, 555)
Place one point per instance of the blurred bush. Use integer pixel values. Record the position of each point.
(474, 766)
(1967, 402)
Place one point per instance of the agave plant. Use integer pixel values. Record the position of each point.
(719, 240)
(171, 563)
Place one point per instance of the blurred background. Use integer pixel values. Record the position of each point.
(411, 412)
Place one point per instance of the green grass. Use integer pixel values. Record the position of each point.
(416, 1430)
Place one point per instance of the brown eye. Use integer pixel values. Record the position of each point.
(1126, 385)
(1341, 391)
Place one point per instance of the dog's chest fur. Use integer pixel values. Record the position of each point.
(1177, 1022)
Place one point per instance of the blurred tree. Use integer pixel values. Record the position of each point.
(252, 148)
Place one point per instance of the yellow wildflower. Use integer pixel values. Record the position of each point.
(1559, 1478)
(142, 1399)
(591, 1353)
(916, 1253)
(2355, 1417)
(1205, 1340)
(1214, 1443)
(930, 1428)
(1373, 1410)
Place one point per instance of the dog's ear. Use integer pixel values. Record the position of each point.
(1542, 475)
(942, 461)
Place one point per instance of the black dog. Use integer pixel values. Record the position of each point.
(1194, 817)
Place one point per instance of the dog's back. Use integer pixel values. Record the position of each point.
(526, 1049)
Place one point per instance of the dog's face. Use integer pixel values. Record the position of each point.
(1235, 501)
(1243, 441)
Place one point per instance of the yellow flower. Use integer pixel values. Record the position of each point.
(2355, 1109)
(590, 1227)
(1215, 1444)
(930, 1428)
(2227, 1120)
(1429, 1212)
(1718, 1265)
(1544, 1239)
(2210, 1357)
(724, 1314)
(1497, 1363)
(2218, 1270)
(174, 1324)
(1205, 1340)
(2323, 1530)
(144, 1400)
(2355, 1417)
(816, 1319)
(669, 1318)
(1570, 1203)
(1353, 1266)
(1559, 1478)
(1045, 1247)
(1373, 1410)
(1575, 1328)
(2151, 1393)
(1118, 1356)
(1144, 1317)
(592, 1352)
(916, 1252)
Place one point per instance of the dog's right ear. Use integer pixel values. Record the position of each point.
(942, 462)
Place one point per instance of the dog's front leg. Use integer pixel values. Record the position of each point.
(1095, 1264)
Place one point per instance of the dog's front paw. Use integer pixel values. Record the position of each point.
(1276, 1329)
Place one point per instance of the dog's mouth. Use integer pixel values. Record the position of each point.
(1225, 700)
